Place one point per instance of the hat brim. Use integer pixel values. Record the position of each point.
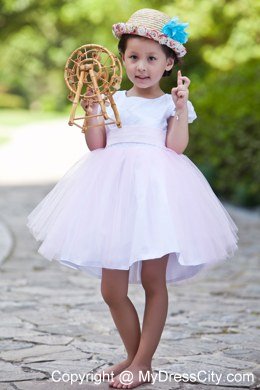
(119, 29)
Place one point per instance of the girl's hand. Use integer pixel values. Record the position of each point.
(88, 105)
(180, 94)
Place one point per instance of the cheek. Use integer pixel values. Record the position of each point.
(156, 65)
(129, 66)
(128, 69)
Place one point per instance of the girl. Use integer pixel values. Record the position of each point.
(136, 209)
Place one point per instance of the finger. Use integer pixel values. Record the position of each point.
(179, 78)
(174, 91)
(89, 89)
(182, 87)
(186, 81)
(83, 103)
(182, 94)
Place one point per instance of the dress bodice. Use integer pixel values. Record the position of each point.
(143, 120)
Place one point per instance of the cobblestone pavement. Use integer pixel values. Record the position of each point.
(54, 317)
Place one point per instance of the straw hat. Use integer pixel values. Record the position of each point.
(155, 25)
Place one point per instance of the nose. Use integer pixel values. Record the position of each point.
(141, 66)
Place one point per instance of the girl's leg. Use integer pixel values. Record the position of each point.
(156, 307)
(114, 289)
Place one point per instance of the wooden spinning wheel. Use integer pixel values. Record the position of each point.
(94, 74)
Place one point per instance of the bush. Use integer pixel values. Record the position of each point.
(9, 99)
(224, 140)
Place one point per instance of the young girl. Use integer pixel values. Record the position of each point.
(136, 209)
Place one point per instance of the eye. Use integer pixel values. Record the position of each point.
(152, 57)
(132, 56)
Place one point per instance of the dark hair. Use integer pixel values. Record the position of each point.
(167, 51)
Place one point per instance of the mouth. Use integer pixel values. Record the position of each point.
(141, 78)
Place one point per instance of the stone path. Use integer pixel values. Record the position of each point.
(54, 317)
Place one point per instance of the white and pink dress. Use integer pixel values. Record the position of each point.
(135, 200)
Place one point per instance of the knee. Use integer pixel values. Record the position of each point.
(152, 284)
(153, 278)
(114, 286)
(112, 295)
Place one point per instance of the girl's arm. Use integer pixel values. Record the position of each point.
(95, 136)
(177, 137)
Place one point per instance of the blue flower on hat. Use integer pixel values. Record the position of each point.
(175, 30)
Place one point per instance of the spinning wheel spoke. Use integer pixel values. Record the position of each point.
(106, 61)
(100, 78)
(75, 61)
(106, 67)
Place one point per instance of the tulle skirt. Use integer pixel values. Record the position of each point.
(130, 202)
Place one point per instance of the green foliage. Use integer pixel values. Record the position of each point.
(225, 139)
(38, 36)
(10, 100)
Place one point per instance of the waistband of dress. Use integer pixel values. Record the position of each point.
(135, 143)
(136, 135)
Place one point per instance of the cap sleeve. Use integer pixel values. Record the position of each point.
(191, 112)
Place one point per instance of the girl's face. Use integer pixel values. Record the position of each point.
(145, 62)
